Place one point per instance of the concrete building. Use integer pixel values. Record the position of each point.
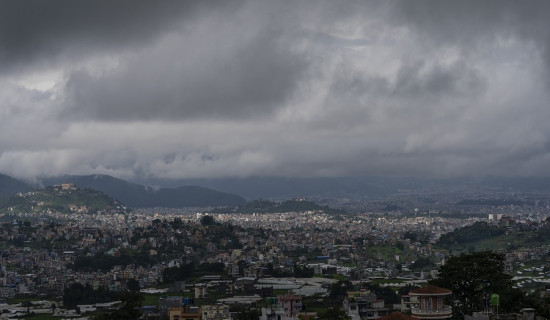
(184, 313)
(169, 302)
(408, 302)
(364, 306)
(215, 312)
(291, 304)
(431, 303)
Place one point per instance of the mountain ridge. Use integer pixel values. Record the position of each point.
(10, 186)
(137, 195)
(359, 187)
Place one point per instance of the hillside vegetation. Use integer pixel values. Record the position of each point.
(483, 236)
(136, 195)
(263, 206)
(55, 199)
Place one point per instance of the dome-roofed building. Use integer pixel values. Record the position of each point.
(431, 304)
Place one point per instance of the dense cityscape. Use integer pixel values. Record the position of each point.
(222, 262)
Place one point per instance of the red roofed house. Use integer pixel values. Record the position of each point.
(431, 303)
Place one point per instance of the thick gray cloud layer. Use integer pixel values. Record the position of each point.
(47, 32)
(175, 89)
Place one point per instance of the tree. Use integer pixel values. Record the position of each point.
(133, 285)
(207, 220)
(542, 305)
(335, 313)
(472, 277)
(80, 294)
(215, 267)
(182, 272)
(130, 309)
(384, 293)
(475, 232)
(303, 271)
(422, 263)
(406, 289)
(339, 290)
(252, 314)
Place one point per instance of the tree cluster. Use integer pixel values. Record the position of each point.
(183, 272)
(473, 278)
(79, 294)
(476, 232)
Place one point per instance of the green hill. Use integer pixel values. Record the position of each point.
(476, 232)
(56, 199)
(136, 195)
(483, 236)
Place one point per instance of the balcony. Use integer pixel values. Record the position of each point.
(432, 314)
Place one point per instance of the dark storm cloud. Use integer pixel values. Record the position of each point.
(472, 25)
(309, 88)
(418, 92)
(46, 31)
(464, 21)
(227, 75)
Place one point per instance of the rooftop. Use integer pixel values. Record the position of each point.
(430, 290)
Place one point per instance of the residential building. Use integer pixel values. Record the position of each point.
(431, 304)
(408, 302)
(215, 312)
(184, 313)
(291, 304)
(168, 302)
(273, 313)
(364, 306)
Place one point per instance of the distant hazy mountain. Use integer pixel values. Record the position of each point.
(10, 186)
(522, 184)
(136, 195)
(280, 188)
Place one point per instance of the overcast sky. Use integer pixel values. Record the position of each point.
(181, 89)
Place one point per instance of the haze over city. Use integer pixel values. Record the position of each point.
(205, 89)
